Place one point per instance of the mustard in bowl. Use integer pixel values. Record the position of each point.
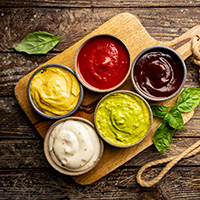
(54, 91)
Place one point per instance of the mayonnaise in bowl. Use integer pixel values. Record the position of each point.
(72, 146)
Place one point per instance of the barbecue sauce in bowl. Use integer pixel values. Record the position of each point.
(159, 73)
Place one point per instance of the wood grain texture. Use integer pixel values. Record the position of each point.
(179, 183)
(96, 3)
(136, 39)
(13, 121)
(163, 24)
(35, 179)
(20, 154)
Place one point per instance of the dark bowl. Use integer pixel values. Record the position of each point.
(175, 56)
(39, 111)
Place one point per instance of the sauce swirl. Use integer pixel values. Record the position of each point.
(103, 62)
(55, 91)
(122, 119)
(158, 73)
(74, 145)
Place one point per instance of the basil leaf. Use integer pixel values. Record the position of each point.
(37, 43)
(159, 111)
(188, 100)
(163, 136)
(175, 119)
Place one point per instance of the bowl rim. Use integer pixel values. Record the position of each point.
(40, 112)
(158, 99)
(63, 170)
(135, 94)
(84, 83)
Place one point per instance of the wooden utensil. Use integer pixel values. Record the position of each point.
(129, 29)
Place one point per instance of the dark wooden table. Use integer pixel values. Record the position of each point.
(24, 171)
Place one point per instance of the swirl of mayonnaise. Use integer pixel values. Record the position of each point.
(74, 145)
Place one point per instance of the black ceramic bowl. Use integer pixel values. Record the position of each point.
(42, 113)
(158, 74)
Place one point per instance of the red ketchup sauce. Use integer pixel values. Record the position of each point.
(158, 73)
(103, 62)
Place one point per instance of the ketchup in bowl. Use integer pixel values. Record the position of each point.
(102, 63)
(159, 73)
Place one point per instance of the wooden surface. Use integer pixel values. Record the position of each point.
(128, 28)
(25, 173)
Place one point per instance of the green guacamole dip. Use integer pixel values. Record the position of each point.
(122, 118)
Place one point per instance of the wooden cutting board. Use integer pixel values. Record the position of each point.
(129, 29)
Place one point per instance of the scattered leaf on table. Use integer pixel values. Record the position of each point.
(37, 43)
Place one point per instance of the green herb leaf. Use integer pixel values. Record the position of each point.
(159, 111)
(188, 100)
(37, 43)
(175, 119)
(163, 136)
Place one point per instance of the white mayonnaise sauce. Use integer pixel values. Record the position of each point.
(74, 145)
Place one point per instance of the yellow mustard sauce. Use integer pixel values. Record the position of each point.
(55, 91)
